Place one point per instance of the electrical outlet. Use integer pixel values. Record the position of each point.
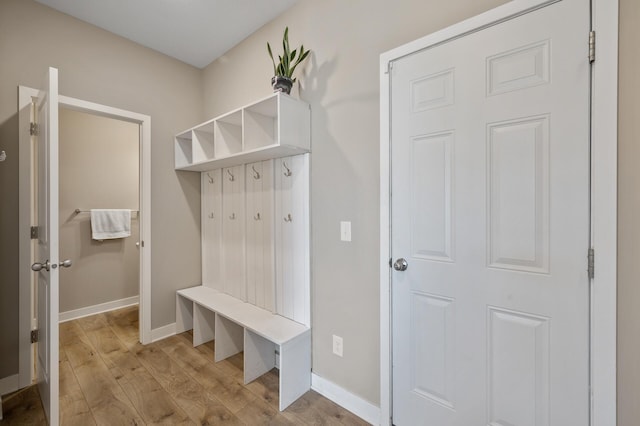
(345, 231)
(337, 345)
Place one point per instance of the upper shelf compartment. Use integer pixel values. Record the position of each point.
(274, 127)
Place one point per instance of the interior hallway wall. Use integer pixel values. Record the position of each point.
(341, 82)
(99, 168)
(98, 66)
(628, 216)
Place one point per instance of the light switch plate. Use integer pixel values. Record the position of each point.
(345, 231)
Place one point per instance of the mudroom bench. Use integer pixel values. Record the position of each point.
(236, 326)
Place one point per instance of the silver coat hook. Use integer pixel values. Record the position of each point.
(257, 217)
(3, 155)
(231, 176)
(256, 175)
(210, 215)
(288, 218)
(210, 178)
(288, 172)
(233, 216)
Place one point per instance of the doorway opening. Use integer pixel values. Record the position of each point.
(98, 169)
(141, 223)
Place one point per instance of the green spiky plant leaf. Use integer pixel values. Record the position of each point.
(289, 60)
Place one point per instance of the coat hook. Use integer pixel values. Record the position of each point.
(210, 215)
(233, 216)
(288, 218)
(256, 175)
(210, 178)
(288, 172)
(256, 217)
(231, 176)
(3, 155)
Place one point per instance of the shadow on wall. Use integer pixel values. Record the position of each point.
(190, 185)
(9, 259)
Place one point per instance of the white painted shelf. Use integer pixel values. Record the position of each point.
(274, 127)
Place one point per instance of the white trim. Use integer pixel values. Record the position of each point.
(163, 332)
(604, 201)
(604, 210)
(353, 403)
(9, 384)
(26, 371)
(98, 309)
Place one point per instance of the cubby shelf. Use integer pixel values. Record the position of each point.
(274, 127)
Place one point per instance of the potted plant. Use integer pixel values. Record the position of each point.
(282, 79)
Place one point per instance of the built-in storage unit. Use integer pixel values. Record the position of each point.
(255, 292)
(277, 126)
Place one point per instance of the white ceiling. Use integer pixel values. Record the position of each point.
(193, 31)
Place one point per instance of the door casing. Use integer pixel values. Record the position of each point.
(26, 369)
(604, 22)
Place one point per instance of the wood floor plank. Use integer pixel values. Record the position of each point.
(124, 323)
(187, 392)
(153, 403)
(106, 399)
(108, 378)
(220, 385)
(93, 322)
(23, 408)
(74, 410)
(260, 413)
(266, 387)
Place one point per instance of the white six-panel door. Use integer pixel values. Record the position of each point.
(490, 209)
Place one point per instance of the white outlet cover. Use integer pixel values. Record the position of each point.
(345, 231)
(337, 345)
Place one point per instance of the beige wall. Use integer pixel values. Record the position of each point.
(341, 82)
(629, 216)
(100, 67)
(99, 168)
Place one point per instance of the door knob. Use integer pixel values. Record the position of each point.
(66, 263)
(400, 265)
(38, 266)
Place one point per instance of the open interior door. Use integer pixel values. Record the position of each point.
(46, 266)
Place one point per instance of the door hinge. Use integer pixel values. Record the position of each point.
(591, 263)
(33, 129)
(34, 336)
(389, 67)
(34, 232)
(592, 46)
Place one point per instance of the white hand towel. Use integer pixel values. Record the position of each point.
(110, 223)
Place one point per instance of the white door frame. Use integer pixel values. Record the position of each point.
(603, 196)
(26, 321)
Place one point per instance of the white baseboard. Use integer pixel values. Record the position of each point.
(163, 332)
(358, 406)
(9, 384)
(97, 309)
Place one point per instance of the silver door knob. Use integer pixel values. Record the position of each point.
(38, 266)
(66, 263)
(400, 265)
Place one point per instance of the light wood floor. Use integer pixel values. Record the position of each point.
(108, 378)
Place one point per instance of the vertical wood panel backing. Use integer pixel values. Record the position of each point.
(259, 237)
(233, 232)
(291, 239)
(211, 228)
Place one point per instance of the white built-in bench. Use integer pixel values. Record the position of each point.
(236, 326)
(254, 164)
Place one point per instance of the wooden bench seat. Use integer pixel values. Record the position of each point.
(236, 326)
